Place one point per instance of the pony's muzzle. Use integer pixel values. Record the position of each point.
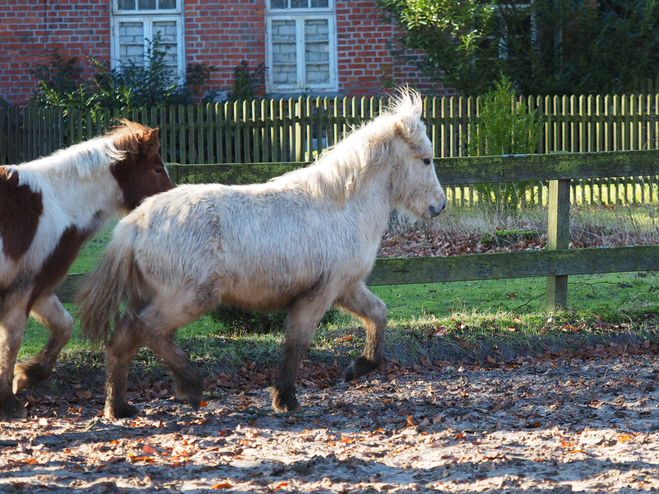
(435, 209)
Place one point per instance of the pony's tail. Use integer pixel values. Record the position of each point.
(102, 291)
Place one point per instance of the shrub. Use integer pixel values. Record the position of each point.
(60, 83)
(504, 127)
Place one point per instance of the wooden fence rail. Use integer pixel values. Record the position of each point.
(556, 263)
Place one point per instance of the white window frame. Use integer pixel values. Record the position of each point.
(148, 18)
(300, 15)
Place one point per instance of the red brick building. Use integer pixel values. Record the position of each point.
(326, 47)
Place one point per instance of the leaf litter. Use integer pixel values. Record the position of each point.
(588, 421)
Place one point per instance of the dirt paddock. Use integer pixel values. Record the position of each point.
(586, 424)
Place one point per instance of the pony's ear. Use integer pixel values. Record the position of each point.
(152, 134)
(152, 139)
(403, 128)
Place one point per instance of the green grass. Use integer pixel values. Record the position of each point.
(444, 321)
(91, 253)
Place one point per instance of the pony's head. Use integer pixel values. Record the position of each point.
(141, 172)
(412, 181)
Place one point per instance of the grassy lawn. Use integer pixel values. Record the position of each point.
(443, 321)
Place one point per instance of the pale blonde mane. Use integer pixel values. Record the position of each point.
(341, 169)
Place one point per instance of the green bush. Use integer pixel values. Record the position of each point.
(61, 84)
(247, 84)
(504, 127)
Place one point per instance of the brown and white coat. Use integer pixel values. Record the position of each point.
(48, 208)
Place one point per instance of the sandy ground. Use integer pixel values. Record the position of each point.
(587, 423)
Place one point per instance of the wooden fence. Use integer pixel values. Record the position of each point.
(296, 129)
(556, 263)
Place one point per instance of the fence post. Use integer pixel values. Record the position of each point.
(558, 237)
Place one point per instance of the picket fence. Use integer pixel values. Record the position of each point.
(296, 130)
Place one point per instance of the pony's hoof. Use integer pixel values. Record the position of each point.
(191, 396)
(360, 367)
(11, 408)
(189, 386)
(28, 375)
(195, 404)
(284, 402)
(21, 381)
(123, 411)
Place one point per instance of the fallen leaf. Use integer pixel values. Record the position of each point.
(84, 395)
(148, 450)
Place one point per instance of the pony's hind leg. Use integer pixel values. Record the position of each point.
(13, 315)
(122, 347)
(49, 312)
(301, 323)
(372, 312)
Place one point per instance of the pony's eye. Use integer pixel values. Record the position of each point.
(427, 161)
(158, 170)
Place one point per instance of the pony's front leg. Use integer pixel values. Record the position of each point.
(301, 323)
(372, 312)
(189, 382)
(13, 315)
(122, 347)
(49, 312)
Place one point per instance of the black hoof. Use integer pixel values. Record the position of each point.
(120, 411)
(283, 401)
(360, 367)
(11, 408)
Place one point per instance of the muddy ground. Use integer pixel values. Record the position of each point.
(576, 422)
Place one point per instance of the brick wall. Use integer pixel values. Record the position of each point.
(224, 33)
(29, 28)
(364, 61)
(221, 33)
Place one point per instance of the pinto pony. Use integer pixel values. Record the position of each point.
(48, 208)
(303, 242)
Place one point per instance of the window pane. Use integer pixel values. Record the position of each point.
(319, 4)
(284, 75)
(316, 30)
(316, 51)
(283, 31)
(299, 4)
(146, 4)
(318, 74)
(278, 4)
(167, 4)
(167, 32)
(131, 43)
(126, 4)
(284, 52)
